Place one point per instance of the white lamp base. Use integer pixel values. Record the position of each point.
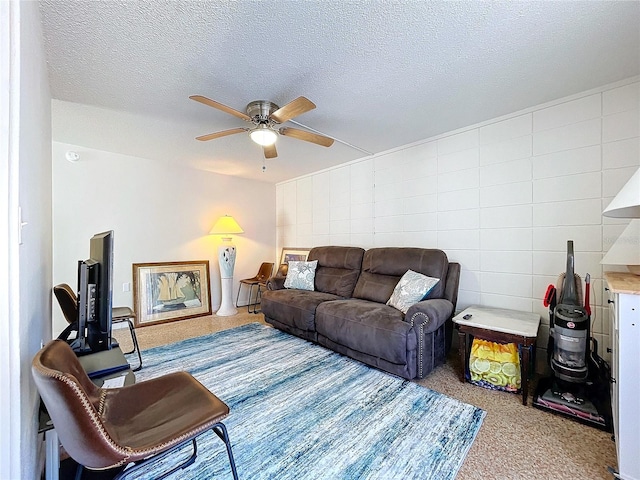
(226, 307)
(226, 260)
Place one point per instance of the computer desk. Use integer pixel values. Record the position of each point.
(93, 362)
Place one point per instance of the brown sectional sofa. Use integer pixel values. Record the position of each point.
(347, 310)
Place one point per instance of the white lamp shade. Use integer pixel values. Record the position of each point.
(226, 225)
(626, 249)
(263, 136)
(626, 204)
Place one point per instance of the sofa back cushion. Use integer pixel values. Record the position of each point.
(338, 269)
(382, 269)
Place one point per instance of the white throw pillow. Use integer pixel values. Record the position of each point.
(301, 275)
(411, 288)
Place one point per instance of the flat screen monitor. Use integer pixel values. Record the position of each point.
(95, 291)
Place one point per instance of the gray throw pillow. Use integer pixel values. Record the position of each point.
(301, 275)
(411, 288)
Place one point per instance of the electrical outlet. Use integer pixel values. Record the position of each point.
(126, 287)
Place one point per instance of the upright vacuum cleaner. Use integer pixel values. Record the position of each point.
(574, 390)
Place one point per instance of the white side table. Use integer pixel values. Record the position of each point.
(502, 326)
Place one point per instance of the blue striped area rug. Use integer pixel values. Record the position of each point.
(300, 411)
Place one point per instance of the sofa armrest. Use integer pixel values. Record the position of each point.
(276, 283)
(432, 313)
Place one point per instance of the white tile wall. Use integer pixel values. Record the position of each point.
(507, 284)
(574, 135)
(569, 187)
(505, 239)
(567, 162)
(621, 99)
(623, 153)
(568, 113)
(506, 194)
(586, 238)
(507, 172)
(458, 142)
(502, 199)
(462, 180)
(506, 217)
(454, 162)
(514, 127)
(620, 126)
(459, 239)
(512, 149)
(458, 200)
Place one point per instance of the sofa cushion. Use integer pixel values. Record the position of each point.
(338, 269)
(411, 288)
(369, 327)
(294, 307)
(382, 268)
(301, 275)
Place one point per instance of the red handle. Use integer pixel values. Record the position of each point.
(587, 306)
(548, 296)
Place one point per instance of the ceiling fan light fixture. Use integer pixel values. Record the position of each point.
(263, 135)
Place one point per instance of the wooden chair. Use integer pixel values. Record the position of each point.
(68, 302)
(128, 427)
(261, 278)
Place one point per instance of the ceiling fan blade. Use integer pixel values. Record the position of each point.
(292, 109)
(224, 133)
(270, 151)
(307, 136)
(220, 106)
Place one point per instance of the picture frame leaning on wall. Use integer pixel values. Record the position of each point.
(170, 291)
(295, 254)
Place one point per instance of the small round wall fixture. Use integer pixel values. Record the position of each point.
(72, 156)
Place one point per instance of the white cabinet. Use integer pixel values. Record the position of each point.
(624, 301)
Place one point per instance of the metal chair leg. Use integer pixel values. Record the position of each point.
(251, 304)
(136, 347)
(248, 305)
(221, 431)
(258, 300)
(238, 296)
(143, 463)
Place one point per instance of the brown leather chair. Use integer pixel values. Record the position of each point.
(129, 426)
(261, 278)
(68, 302)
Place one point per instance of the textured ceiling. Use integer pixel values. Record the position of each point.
(382, 73)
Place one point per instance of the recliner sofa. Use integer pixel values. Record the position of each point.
(347, 309)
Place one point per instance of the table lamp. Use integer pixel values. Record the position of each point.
(626, 204)
(226, 226)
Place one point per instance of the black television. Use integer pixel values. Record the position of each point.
(95, 291)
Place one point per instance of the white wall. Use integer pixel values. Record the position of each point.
(502, 198)
(158, 212)
(26, 174)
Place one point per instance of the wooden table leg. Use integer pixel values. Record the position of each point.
(524, 371)
(462, 348)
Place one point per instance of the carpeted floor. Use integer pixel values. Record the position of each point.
(514, 442)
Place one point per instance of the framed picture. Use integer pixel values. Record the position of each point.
(164, 292)
(295, 254)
